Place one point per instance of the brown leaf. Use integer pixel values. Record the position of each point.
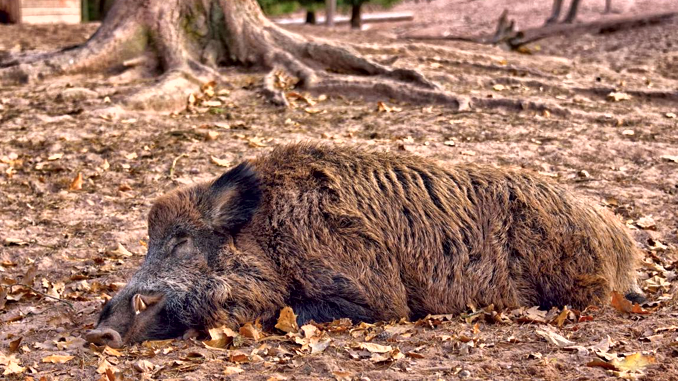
(3, 297)
(601, 364)
(58, 359)
(310, 331)
(143, 366)
(76, 184)
(14, 345)
(287, 322)
(375, 348)
(221, 337)
(107, 368)
(249, 331)
(621, 304)
(111, 351)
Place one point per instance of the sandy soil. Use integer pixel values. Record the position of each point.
(622, 153)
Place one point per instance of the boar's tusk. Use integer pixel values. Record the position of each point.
(138, 304)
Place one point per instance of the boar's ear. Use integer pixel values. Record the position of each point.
(234, 197)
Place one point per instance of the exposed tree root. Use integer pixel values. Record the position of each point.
(187, 41)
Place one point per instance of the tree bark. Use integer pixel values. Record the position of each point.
(356, 16)
(183, 43)
(330, 8)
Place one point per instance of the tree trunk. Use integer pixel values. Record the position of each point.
(330, 8)
(185, 41)
(310, 17)
(356, 16)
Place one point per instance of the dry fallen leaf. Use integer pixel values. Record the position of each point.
(58, 359)
(14, 345)
(248, 330)
(621, 304)
(670, 158)
(383, 107)
(554, 338)
(287, 322)
(375, 348)
(498, 87)
(221, 337)
(646, 223)
(13, 367)
(76, 184)
(618, 96)
(231, 370)
(633, 363)
(11, 241)
(143, 366)
(106, 367)
(562, 317)
(256, 142)
(121, 252)
(55, 156)
(220, 162)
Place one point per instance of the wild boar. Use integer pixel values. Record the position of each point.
(344, 233)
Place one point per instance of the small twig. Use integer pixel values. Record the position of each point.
(67, 303)
(174, 164)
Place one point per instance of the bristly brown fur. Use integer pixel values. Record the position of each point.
(339, 232)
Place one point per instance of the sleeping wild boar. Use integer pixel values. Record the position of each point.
(342, 233)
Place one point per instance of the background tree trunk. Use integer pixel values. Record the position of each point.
(330, 8)
(356, 16)
(310, 17)
(183, 43)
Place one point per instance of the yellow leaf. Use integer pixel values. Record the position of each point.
(106, 367)
(287, 322)
(58, 359)
(220, 162)
(13, 368)
(634, 362)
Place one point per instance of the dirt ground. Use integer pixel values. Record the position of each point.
(609, 131)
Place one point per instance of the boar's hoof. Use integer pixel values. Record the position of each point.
(104, 336)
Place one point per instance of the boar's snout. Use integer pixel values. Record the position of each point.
(104, 336)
